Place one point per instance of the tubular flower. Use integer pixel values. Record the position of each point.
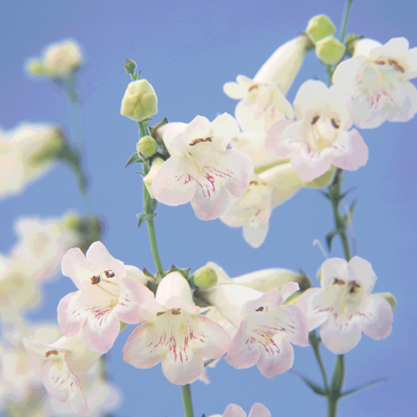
(68, 359)
(344, 305)
(201, 169)
(233, 410)
(109, 292)
(320, 137)
(265, 326)
(175, 334)
(378, 80)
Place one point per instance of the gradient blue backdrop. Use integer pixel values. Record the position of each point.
(188, 50)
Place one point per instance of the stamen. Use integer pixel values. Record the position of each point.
(51, 352)
(335, 123)
(160, 313)
(253, 182)
(176, 311)
(95, 279)
(318, 243)
(201, 140)
(314, 119)
(109, 273)
(260, 309)
(252, 87)
(338, 281)
(396, 65)
(380, 62)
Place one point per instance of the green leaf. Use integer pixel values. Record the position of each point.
(144, 217)
(313, 385)
(329, 238)
(152, 129)
(364, 386)
(133, 159)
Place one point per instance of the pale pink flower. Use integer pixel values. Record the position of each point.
(109, 292)
(233, 410)
(344, 306)
(266, 327)
(68, 359)
(320, 136)
(201, 170)
(175, 334)
(377, 78)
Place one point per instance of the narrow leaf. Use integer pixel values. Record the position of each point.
(133, 159)
(144, 217)
(364, 386)
(313, 385)
(329, 238)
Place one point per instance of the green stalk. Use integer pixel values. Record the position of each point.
(187, 401)
(345, 20)
(315, 343)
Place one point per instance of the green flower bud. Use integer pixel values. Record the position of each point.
(205, 278)
(319, 27)
(140, 101)
(147, 146)
(330, 50)
(390, 298)
(35, 67)
(130, 66)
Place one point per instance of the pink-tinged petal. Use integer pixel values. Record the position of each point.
(71, 313)
(77, 398)
(271, 298)
(98, 255)
(359, 152)
(174, 284)
(254, 232)
(278, 144)
(407, 107)
(176, 302)
(259, 410)
(41, 350)
(360, 270)
(244, 351)
(199, 127)
(233, 410)
(214, 340)
(244, 114)
(75, 265)
(144, 349)
(224, 128)
(235, 90)
(171, 132)
(294, 323)
(314, 306)
(347, 74)
(333, 268)
(132, 296)
(377, 317)
(340, 334)
(100, 330)
(276, 360)
(133, 272)
(185, 371)
(412, 63)
(289, 289)
(55, 377)
(310, 97)
(369, 110)
(210, 205)
(309, 165)
(339, 104)
(148, 311)
(172, 185)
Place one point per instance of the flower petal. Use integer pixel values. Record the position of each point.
(346, 76)
(314, 306)
(377, 317)
(358, 155)
(407, 107)
(71, 314)
(224, 127)
(259, 410)
(199, 127)
(277, 360)
(310, 97)
(98, 255)
(174, 284)
(210, 204)
(309, 165)
(333, 268)
(361, 270)
(233, 410)
(235, 90)
(75, 265)
(279, 144)
(170, 136)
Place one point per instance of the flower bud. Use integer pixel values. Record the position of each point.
(140, 101)
(35, 67)
(330, 50)
(130, 66)
(205, 278)
(147, 146)
(319, 27)
(148, 179)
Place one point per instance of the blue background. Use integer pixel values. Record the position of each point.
(188, 50)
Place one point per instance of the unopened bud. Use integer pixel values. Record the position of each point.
(140, 101)
(205, 278)
(35, 67)
(319, 27)
(130, 66)
(330, 50)
(148, 179)
(147, 146)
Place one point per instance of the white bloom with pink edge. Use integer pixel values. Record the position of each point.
(344, 306)
(320, 136)
(201, 170)
(233, 410)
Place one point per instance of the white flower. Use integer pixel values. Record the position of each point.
(233, 410)
(344, 305)
(201, 169)
(378, 80)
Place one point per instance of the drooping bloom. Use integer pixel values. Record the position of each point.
(201, 170)
(344, 306)
(266, 327)
(233, 410)
(59, 60)
(68, 359)
(378, 80)
(108, 292)
(26, 153)
(174, 333)
(262, 100)
(320, 136)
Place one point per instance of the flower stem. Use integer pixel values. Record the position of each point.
(345, 20)
(315, 343)
(337, 382)
(187, 401)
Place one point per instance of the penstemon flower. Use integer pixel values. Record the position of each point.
(201, 170)
(320, 136)
(233, 410)
(109, 292)
(344, 306)
(378, 80)
(174, 333)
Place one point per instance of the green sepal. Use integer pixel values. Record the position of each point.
(133, 159)
(152, 129)
(184, 272)
(144, 217)
(310, 383)
(349, 215)
(349, 42)
(147, 273)
(364, 386)
(329, 238)
(150, 205)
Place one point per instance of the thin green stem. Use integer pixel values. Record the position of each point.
(154, 247)
(187, 401)
(334, 394)
(345, 20)
(332, 407)
(315, 343)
